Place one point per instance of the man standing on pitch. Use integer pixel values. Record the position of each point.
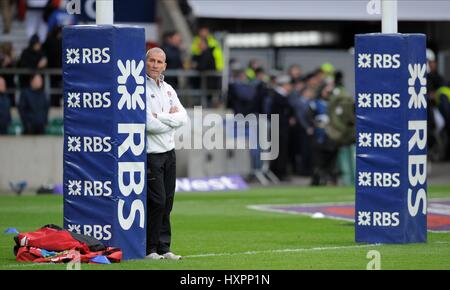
(164, 115)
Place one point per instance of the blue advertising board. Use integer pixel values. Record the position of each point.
(104, 177)
(391, 162)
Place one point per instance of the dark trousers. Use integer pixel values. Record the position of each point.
(280, 165)
(324, 163)
(161, 174)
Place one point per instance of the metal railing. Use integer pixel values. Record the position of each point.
(190, 94)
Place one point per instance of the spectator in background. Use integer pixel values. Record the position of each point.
(328, 72)
(432, 69)
(315, 80)
(342, 129)
(7, 61)
(280, 105)
(203, 38)
(305, 118)
(34, 19)
(32, 57)
(52, 48)
(204, 61)
(438, 110)
(234, 65)
(172, 46)
(6, 55)
(53, 52)
(439, 95)
(324, 149)
(242, 94)
(303, 130)
(206, 51)
(294, 134)
(250, 72)
(172, 43)
(33, 107)
(6, 6)
(436, 126)
(243, 99)
(58, 16)
(262, 91)
(295, 72)
(5, 108)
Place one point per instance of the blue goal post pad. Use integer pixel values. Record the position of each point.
(104, 177)
(391, 152)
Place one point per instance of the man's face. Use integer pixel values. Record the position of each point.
(37, 82)
(203, 32)
(287, 87)
(176, 39)
(37, 46)
(156, 64)
(2, 85)
(295, 72)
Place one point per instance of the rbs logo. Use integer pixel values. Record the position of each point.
(379, 140)
(90, 144)
(366, 60)
(89, 100)
(380, 219)
(87, 55)
(378, 179)
(97, 231)
(89, 188)
(382, 101)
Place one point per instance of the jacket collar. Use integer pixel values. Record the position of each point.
(161, 80)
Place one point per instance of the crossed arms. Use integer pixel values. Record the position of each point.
(165, 122)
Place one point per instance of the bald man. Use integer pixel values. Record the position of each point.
(165, 114)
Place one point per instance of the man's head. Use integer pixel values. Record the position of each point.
(36, 82)
(260, 74)
(34, 43)
(203, 32)
(431, 60)
(295, 71)
(173, 38)
(285, 82)
(155, 62)
(239, 75)
(2, 85)
(254, 64)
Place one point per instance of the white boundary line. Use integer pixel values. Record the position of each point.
(283, 251)
(267, 208)
(26, 265)
(299, 250)
(227, 254)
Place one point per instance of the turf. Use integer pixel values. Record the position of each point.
(219, 223)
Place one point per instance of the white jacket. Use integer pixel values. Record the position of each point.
(161, 130)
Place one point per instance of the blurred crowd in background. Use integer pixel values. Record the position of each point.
(316, 118)
(317, 114)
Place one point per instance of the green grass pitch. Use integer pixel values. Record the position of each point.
(216, 230)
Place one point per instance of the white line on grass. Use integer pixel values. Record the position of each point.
(269, 208)
(236, 254)
(27, 264)
(282, 251)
